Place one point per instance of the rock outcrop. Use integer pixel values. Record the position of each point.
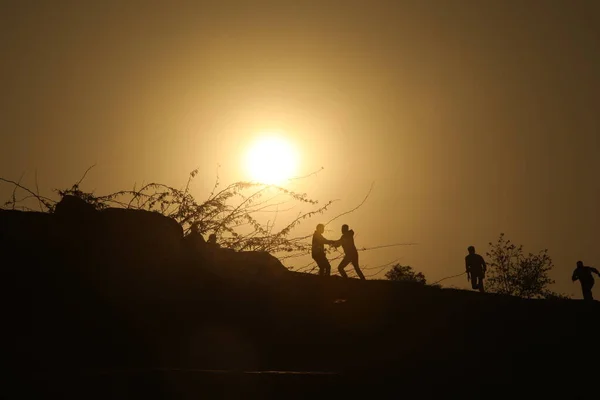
(93, 287)
(126, 251)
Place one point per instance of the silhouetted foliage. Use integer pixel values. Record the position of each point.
(405, 273)
(512, 272)
(230, 212)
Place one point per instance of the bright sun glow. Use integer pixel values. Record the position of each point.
(271, 160)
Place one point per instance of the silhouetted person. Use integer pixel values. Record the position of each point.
(212, 241)
(584, 274)
(318, 250)
(476, 268)
(350, 252)
(194, 240)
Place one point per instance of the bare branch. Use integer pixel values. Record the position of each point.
(355, 208)
(44, 200)
(14, 193)
(37, 192)
(308, 175)
(217, 182)
(386, 245)
(84, 175)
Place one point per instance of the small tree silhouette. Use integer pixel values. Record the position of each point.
(511, 272)
(405, 273)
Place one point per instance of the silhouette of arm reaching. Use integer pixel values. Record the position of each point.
(337, 243)
(321, 240)
(575, 276)
(594, 270)
(326, 241)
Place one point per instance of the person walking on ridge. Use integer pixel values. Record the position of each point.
(212, 241)
(350, 252)
(318, 250)
(476, 268)
(585, 277)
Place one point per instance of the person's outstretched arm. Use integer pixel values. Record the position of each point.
(329, 241)
(322, 240)
(594, 270)
(575, 276)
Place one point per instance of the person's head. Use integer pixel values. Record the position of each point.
(320, 228)
(195, 228)
(579, 264)
(471, 249)
(345, 228)
(212, 238)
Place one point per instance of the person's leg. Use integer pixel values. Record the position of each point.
(320, 265)
(476, 278)
(587, 292)
(343, 264)
(325, 266)
(357, 268)
(480, 284)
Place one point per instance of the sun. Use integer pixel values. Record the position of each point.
(271, 159)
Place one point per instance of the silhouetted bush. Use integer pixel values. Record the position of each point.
(230, 212)
(512, 272)
(405, 273)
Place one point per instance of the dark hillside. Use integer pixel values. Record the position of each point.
(114, 303)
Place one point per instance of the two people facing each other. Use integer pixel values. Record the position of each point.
(347, 243)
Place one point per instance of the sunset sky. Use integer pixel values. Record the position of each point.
(472, 117)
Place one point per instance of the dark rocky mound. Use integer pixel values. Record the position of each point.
(81, 281)
(131, 249)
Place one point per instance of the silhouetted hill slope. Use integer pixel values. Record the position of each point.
(89, 294)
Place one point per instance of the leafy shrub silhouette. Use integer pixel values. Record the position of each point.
(405, 273)
(512, 272)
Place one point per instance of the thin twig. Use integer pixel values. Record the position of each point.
(37, 191)
(355, 208)
(84, 175)
(308, 175)
(381, 268)
(14, 193)
(217, 182)
(386, 245)
(18, 185)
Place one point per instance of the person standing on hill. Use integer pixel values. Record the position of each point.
(350, 252)
(212, 241)
(318, 250)
(585, 277)
(476, 267)
(194, 240)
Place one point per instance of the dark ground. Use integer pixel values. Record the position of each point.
(78, 326)
(392, 337)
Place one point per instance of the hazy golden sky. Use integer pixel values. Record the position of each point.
(472, 117)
